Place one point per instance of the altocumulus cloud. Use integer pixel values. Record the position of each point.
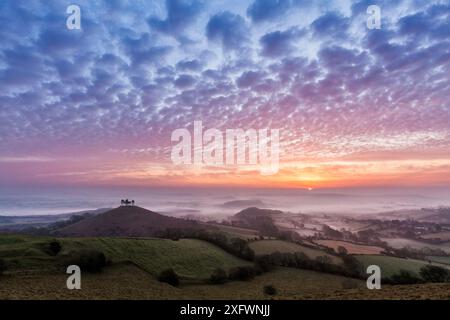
(130, 76)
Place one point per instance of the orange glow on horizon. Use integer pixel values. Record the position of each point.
(295, 174)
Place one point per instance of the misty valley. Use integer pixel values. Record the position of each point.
(255, 253)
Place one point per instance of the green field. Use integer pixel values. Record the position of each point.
(399, 243)
(188, 257)
(262, 247)
(237, 232)
(25, 252)
(392, 265)
(443, 260)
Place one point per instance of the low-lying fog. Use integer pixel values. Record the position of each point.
(211, 202)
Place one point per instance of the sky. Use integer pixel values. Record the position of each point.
(97, 106)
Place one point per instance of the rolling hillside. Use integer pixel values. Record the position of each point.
(352, 248)
(126, 281)
(190, 258)
(19, 223)
(257, 219)
(235, 232)
(399, 243)
(129, 221)
(34, 274)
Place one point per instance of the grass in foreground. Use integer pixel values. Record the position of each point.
(126, 281)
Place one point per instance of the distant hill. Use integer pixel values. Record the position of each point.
(242, 203)
(131, 221)
(256, 218)
(20, 223)
(435, 215)
(440, 215)
(254, 211)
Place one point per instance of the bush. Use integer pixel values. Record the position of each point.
(342, 251)
(88, 260)
(169, 276)
(53, 247)
(436, 274)
(219, 276)
(352, 265)
(242, 273)
(404, 277)
(264, 263)
(3, 266)
(324, 259)
(270, 290)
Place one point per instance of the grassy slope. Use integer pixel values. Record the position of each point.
(402, 242)
(116, 282)
(290, 283)
(25, 252)
(352, 248)
(269, 246)
(392, 265)
(443, 260)
(188, 257)
(129, 282)
(429, 291)
(126, 281)
(237, 232)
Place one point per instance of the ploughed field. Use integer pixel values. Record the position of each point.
(352, 248)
